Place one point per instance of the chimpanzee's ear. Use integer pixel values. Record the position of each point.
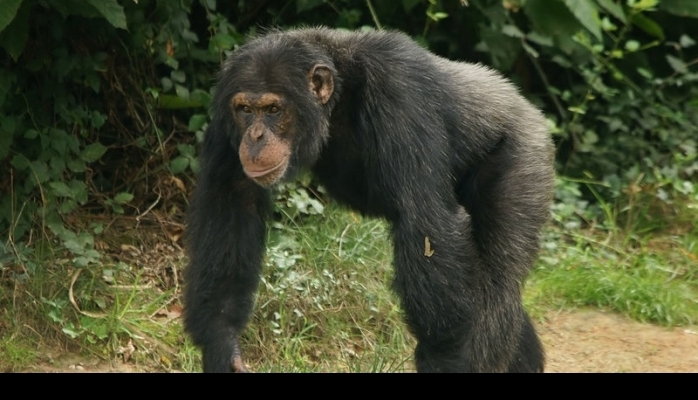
(322, 82)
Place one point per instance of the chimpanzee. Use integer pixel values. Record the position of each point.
(449, 153)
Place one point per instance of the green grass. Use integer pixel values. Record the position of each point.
(99, 312)
(642, 262)
(16, 353)
(324, 305)
(643, 285)
(325, 302)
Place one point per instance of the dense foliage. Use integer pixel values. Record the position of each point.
(102, 101)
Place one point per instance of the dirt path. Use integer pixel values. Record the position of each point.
(592, 341)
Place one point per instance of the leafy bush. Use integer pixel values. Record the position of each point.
(102, 102)
(91, 111)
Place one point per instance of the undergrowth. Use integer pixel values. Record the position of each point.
(102, 107)
(325, 303)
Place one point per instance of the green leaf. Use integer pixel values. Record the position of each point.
(55, 224)
(642, 5)
(408, 5)
(200, 96)
(93, 152)
(222, 41)
(648, 25)
(5, 143)
(607, 25)
(614, 9)
(123, 198)
(73, 143)
(92, 80)
(7, 129)
(20, 162)
(76, 165)
(437, 16)
(632, 45)
(182, 92)
(196, 122)
(179, 164)
(512, 30)
(577, 110)
(302, 5)
(178, 76)
(71, 331)
(41, 171)
(100, 330)
(166, 83)
(172, 62)
(585, 11)
(59, 141)
(503, 49)
(7, 80)
(645, 73)
(79, 190)
(97, 119)
(14, 36)
(75, 7)
(530, 50)
(112, 11)
(210, 4)
(683, 8)
(186, 150)
(539, 39)
(60, 189)
(686, 41)
(677, 64)
(67, 206)
(551, 18)
(8, 10)
(97, 228)
(57, 163)
(194, 165)
(53, 314)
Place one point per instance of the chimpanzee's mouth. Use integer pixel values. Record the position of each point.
(255, 173)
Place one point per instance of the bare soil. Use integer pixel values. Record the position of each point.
(594, 341)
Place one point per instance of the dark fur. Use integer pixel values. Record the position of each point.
(444, 150)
